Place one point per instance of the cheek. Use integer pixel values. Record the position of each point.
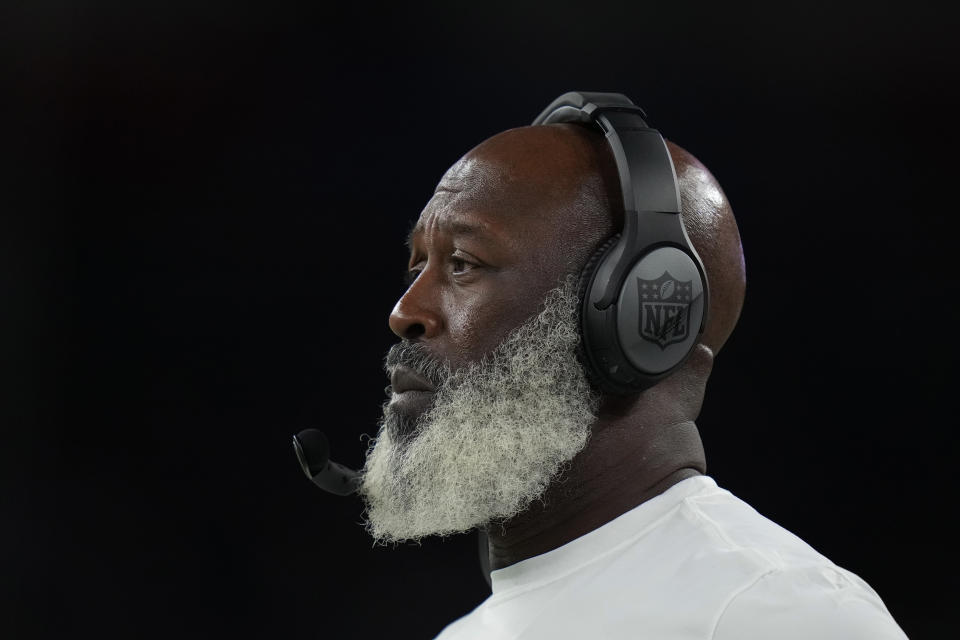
(472, 331)
(477, 326)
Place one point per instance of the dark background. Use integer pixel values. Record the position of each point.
(203, 209)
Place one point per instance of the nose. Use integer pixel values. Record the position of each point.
(415, 315)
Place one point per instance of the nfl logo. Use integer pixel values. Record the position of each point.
(664, 309)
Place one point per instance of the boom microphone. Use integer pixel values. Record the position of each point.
(313, 452)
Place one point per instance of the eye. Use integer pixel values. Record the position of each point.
(461, 265)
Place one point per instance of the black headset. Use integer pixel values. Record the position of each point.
(644, 291)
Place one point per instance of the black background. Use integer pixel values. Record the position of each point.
(203, 213)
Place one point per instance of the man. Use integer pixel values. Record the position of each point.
(601, 522)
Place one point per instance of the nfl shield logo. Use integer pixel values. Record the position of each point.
(664, 309)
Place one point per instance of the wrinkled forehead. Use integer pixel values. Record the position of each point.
(472, 174)
(496, 193)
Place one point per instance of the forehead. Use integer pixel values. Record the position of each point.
(478, 196)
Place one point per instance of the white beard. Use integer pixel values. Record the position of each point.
(498, 433)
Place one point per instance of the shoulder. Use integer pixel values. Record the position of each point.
(794, 591)
(462, 628)
(823, 602)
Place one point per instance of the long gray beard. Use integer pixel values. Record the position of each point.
(498, 433)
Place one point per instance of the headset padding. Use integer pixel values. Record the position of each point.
(583, 286)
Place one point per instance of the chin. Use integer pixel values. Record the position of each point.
(402, 425)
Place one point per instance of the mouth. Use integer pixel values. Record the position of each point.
(411, 394)
(404, 380)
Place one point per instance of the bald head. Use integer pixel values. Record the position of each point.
(555, 178)
(709, 222)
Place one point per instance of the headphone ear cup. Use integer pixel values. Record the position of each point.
(583, 288)
(586, 274)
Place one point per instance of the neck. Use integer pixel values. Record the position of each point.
(626, 463)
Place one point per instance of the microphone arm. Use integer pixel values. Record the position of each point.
(313, 452)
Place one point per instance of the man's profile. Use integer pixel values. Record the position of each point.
(601, 520)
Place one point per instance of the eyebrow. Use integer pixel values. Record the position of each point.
(455, 227)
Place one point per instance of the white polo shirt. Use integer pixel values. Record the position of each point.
(695, 562)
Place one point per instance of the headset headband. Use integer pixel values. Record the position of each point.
(648, 182)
